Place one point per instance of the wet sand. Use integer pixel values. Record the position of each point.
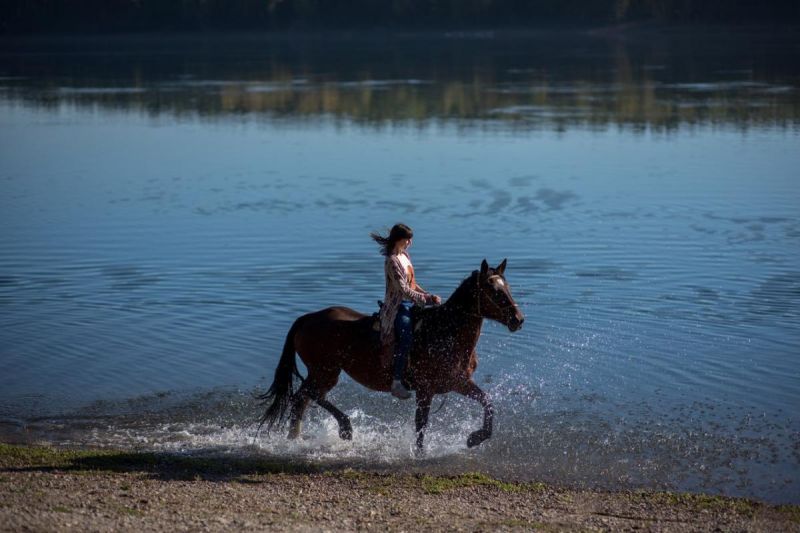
(44, 488)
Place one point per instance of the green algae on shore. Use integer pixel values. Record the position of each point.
(56, 488)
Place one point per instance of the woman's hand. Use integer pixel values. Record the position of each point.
(436, 300)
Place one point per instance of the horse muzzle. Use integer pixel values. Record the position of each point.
(515, 323)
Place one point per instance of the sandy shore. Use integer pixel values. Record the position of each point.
(45, 489)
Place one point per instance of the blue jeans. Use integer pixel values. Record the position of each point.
(403, 333)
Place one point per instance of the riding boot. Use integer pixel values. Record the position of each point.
(398, 389)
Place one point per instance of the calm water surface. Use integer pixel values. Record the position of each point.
(169, 206)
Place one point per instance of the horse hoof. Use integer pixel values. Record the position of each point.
(346, 434)
(294, 432)
(477, 437)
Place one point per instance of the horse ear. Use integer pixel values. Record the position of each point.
(501, 268)
(484, 267)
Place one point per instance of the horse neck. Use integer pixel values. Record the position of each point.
(464, 300)
(461, 321)
(456, 325)
(461, 310)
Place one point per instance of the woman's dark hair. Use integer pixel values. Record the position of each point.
(398, 231)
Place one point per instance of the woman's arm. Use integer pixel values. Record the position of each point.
(398, 274)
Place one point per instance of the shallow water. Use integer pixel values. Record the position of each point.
(170, 206)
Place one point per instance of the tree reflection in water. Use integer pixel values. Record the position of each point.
(529, 81)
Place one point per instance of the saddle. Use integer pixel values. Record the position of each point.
(416, 317)
(416, 322)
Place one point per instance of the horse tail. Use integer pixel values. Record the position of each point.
(279, 396)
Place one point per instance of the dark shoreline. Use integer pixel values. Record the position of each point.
(646, 29)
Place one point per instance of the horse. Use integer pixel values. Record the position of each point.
(442, 357)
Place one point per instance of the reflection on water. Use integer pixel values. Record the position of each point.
(658, 81)
(168, 207)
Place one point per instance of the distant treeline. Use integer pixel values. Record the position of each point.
(29, 16)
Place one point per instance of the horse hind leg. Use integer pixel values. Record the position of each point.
(299, 406)
(345, 427)
(317, 390)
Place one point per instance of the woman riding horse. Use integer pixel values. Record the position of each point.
(402, 292)
(442, 357)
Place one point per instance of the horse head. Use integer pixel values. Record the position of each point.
(494, 297)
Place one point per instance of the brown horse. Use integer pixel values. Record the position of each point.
(442, 357)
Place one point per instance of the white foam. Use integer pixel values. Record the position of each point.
(375, 441)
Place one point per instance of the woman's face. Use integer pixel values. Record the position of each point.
(402, 245)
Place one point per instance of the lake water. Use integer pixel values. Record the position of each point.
(169, 206)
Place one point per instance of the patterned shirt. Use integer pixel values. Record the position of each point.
(400, 285)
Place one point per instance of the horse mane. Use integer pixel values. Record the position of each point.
(460, 294)
(463, 287)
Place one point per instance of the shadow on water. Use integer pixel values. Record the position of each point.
(162, 466)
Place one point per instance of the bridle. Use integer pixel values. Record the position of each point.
(479, 292)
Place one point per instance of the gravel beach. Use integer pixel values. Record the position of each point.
(45, 489)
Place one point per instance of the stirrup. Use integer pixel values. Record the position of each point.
(399, 391)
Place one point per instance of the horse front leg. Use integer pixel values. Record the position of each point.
(421, 418)
(471, 390)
